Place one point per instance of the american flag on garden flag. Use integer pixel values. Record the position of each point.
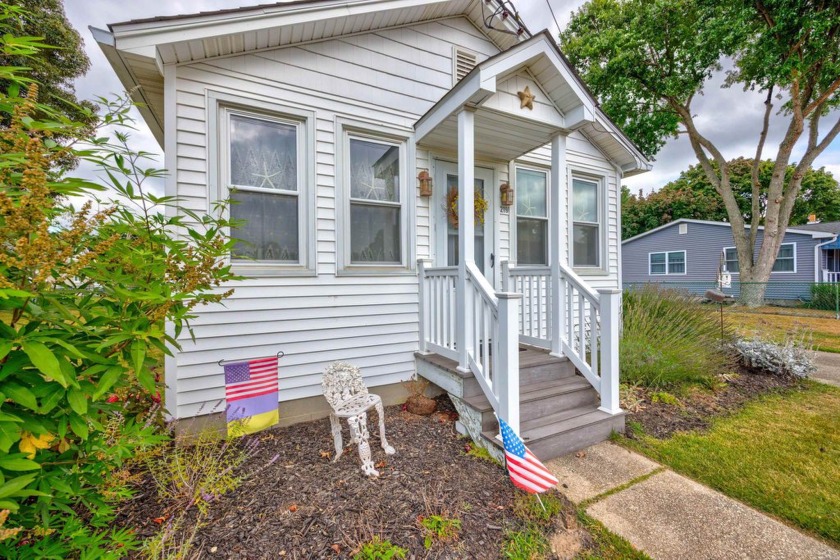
(526, 471)
(251, 390)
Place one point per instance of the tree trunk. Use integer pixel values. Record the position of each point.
(752, 293)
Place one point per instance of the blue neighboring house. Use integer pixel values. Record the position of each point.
(689, 253)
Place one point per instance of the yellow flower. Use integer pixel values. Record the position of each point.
(30, 443)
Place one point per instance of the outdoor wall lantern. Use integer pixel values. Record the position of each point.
(425, 183)
(507, 194)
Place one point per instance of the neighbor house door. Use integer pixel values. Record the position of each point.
(446, 175)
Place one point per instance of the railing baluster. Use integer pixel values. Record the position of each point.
(582, 342)
(593, 338)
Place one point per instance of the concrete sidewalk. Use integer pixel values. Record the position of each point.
(669, 516)
(828, 368)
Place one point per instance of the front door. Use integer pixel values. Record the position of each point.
(447, 232)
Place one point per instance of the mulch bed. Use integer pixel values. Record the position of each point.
(696, 411)
(304, 506)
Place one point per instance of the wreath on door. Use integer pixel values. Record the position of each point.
(479, 202)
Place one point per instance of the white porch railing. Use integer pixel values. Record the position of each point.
(588, 322)
(534, 283)
(490, 335)
(830, 276)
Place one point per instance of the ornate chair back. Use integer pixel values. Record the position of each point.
(342, 382)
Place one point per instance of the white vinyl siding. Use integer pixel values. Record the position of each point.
(667, 263)
(390, 77)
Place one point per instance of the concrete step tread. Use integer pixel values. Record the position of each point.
(552, 429)
(536, 391)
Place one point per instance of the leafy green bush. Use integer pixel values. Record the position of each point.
(670, 338)
(377, 549)
(825, 296)
(84, 297)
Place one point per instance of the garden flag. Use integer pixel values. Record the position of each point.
(526, 471)
(251, 393)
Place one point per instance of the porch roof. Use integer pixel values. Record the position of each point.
(503, 130)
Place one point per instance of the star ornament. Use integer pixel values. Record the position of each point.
(526, 98)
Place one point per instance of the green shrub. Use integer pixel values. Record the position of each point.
(670, 338)
(84, 296)
(377, 549)
(825, 296)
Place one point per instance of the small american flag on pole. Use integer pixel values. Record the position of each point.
(526, 471)
(251, 390)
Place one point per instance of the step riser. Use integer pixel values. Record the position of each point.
(527, 376)
(577, 439)
(549, 405)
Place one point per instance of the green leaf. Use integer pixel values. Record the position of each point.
(21, 395)
(12, 463)
(5, 348)
(43, 359)
(15, 484)
(78, 401)
(6, 417)
(79, 426)
(108, 379)
(9, 505)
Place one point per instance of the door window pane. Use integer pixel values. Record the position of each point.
(263, 154)
(374, 171)
(452, 250)
(585, 246)
(269, 226)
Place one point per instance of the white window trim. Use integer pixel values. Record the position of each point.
(795, 260)
(725, 249)
(220, 106)
(667, 263)
(352, 128)
(602, 268)
(514, 225)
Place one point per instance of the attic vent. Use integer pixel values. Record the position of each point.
(463, 62)
(683, 229)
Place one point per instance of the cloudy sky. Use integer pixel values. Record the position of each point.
(734, 128)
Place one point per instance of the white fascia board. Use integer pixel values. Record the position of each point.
(142, 38)
(470, 90)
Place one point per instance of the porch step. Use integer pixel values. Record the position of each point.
(564, 432)
(558, 407)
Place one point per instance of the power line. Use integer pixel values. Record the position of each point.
(548, 3)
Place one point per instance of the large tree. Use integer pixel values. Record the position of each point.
(648, 60)
(691, 195)
(54, 68)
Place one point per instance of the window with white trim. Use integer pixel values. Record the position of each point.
(785, 261)
(587, 224)
(376, 224)
(670, 262)
(531, 216)
(263, 175)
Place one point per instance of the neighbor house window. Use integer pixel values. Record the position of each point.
(785, 261)
(531, 217)
(586, 223)
(672, 262)
(375, 202)
(264, 179)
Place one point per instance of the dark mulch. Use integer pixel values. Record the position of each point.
(696, 410)
(304, 506)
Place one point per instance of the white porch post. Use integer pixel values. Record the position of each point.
(557, 222)
(506, 379)
(466, 231)
(424, 304)
(610, 317)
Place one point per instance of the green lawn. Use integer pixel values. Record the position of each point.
(780, 454)
(776, 323)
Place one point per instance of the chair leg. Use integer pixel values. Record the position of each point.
(359, 431)
(380, 412)
(335, 425)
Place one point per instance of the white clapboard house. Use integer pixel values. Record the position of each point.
(328, 122)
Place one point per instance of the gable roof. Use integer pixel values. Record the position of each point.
(814, 234)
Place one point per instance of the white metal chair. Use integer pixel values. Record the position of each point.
(349, 398)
